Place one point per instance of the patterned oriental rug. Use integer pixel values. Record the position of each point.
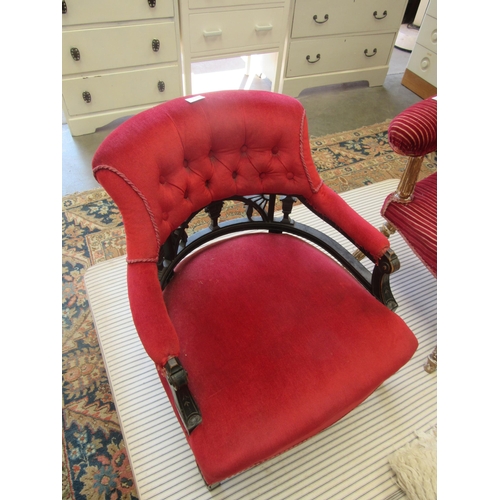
(95, 464)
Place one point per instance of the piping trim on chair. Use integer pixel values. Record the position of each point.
(301, 148)
(146, 205)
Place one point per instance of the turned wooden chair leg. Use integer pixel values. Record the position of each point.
(359, 255)
(431, 363)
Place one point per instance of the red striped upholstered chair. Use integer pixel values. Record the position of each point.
(412, 209)
(260, 339)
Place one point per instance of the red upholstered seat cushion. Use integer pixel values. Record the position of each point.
(414, 131)
(417, 221)
(279, 342)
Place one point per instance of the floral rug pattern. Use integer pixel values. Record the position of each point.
(95, 465)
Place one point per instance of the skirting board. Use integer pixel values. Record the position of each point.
(348, 460)
(418, 85)
(374, 76)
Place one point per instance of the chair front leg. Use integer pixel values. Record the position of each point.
(431, 363)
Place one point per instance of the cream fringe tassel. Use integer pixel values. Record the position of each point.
(415, 465)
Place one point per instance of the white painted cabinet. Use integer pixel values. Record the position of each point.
(421, 73)
(121, 57)
(219, 29)
(339, 41)
(118, 58)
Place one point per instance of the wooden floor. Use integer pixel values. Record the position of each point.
(346, 461)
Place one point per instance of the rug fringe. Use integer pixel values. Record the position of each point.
(415, 466)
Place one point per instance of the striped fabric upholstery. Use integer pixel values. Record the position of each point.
(417, 221)
(414, 131)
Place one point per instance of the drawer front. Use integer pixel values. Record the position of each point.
(121, 90)
(423, 62)
(427, 35)
(207, 4)
(327, 55)
(118, 47)
(432, 8)
(234, 29)
(103, 11)
(332, 17)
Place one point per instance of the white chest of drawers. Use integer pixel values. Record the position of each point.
(118, 58)
(217, 29)
(339, 41)
(421, 73)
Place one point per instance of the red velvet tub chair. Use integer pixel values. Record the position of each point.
(264, 331)
(412, 208)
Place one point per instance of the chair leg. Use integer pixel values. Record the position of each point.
(358, 255)
(431, 363)
(387, 229)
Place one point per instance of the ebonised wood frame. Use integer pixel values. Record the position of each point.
(260, 216)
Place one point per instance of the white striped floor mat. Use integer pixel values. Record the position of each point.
(346, 461)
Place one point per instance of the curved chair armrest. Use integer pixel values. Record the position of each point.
(332, 208)
(153, 324)
(414, 131)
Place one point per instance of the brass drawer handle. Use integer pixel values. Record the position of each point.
(155, 44)
(384, 14)
(152, 3)
(315, 19)
(87, 97)
(75, 53)
(370, 55)
(161, 86)
(308, 58)
(64, 8)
